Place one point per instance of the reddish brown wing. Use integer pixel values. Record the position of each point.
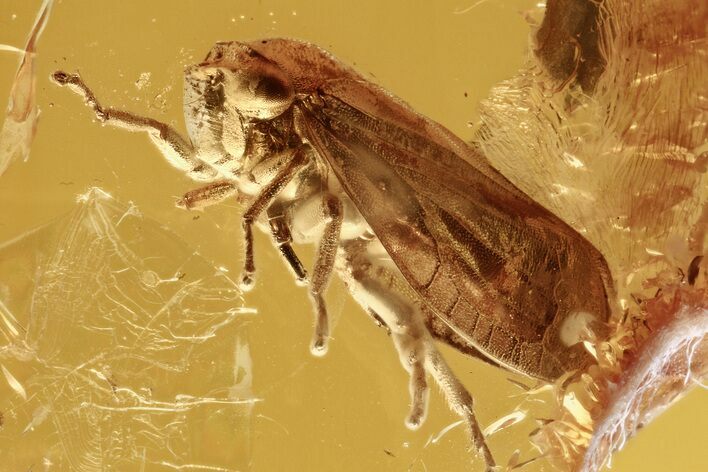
(501, 271)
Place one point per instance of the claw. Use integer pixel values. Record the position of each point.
(248, 281)
(60, 77)
(319, 346)
(415, 418)
(302, 281)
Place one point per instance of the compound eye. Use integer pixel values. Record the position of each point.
(273, 89)
(264, 92)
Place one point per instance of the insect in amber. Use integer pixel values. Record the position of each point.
(429, 238)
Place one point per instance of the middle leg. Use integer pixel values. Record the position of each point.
(324, 264)
(262, 201)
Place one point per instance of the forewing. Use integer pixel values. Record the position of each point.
(500, 270)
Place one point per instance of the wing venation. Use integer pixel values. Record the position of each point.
(517, 270)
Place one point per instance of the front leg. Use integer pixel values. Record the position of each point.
(178, 151)
(261, 202)
(215, 192)
(283, 238)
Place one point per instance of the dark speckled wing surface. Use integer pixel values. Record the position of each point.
(499, 270)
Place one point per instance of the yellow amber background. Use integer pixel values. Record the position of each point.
(342, 412)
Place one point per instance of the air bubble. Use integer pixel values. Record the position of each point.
(150, 279)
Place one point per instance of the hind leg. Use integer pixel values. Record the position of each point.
(377, 291)
(407, 333)
(380, 288)
(458, 398)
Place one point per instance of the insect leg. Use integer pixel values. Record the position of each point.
(208, 195)
(382, 293)
(385, 294)
(378, 320)
(177, 150)
(280, 231)
(418, 388)
(407, 336)
(261, 202)
(324, 264)
(459, 399)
